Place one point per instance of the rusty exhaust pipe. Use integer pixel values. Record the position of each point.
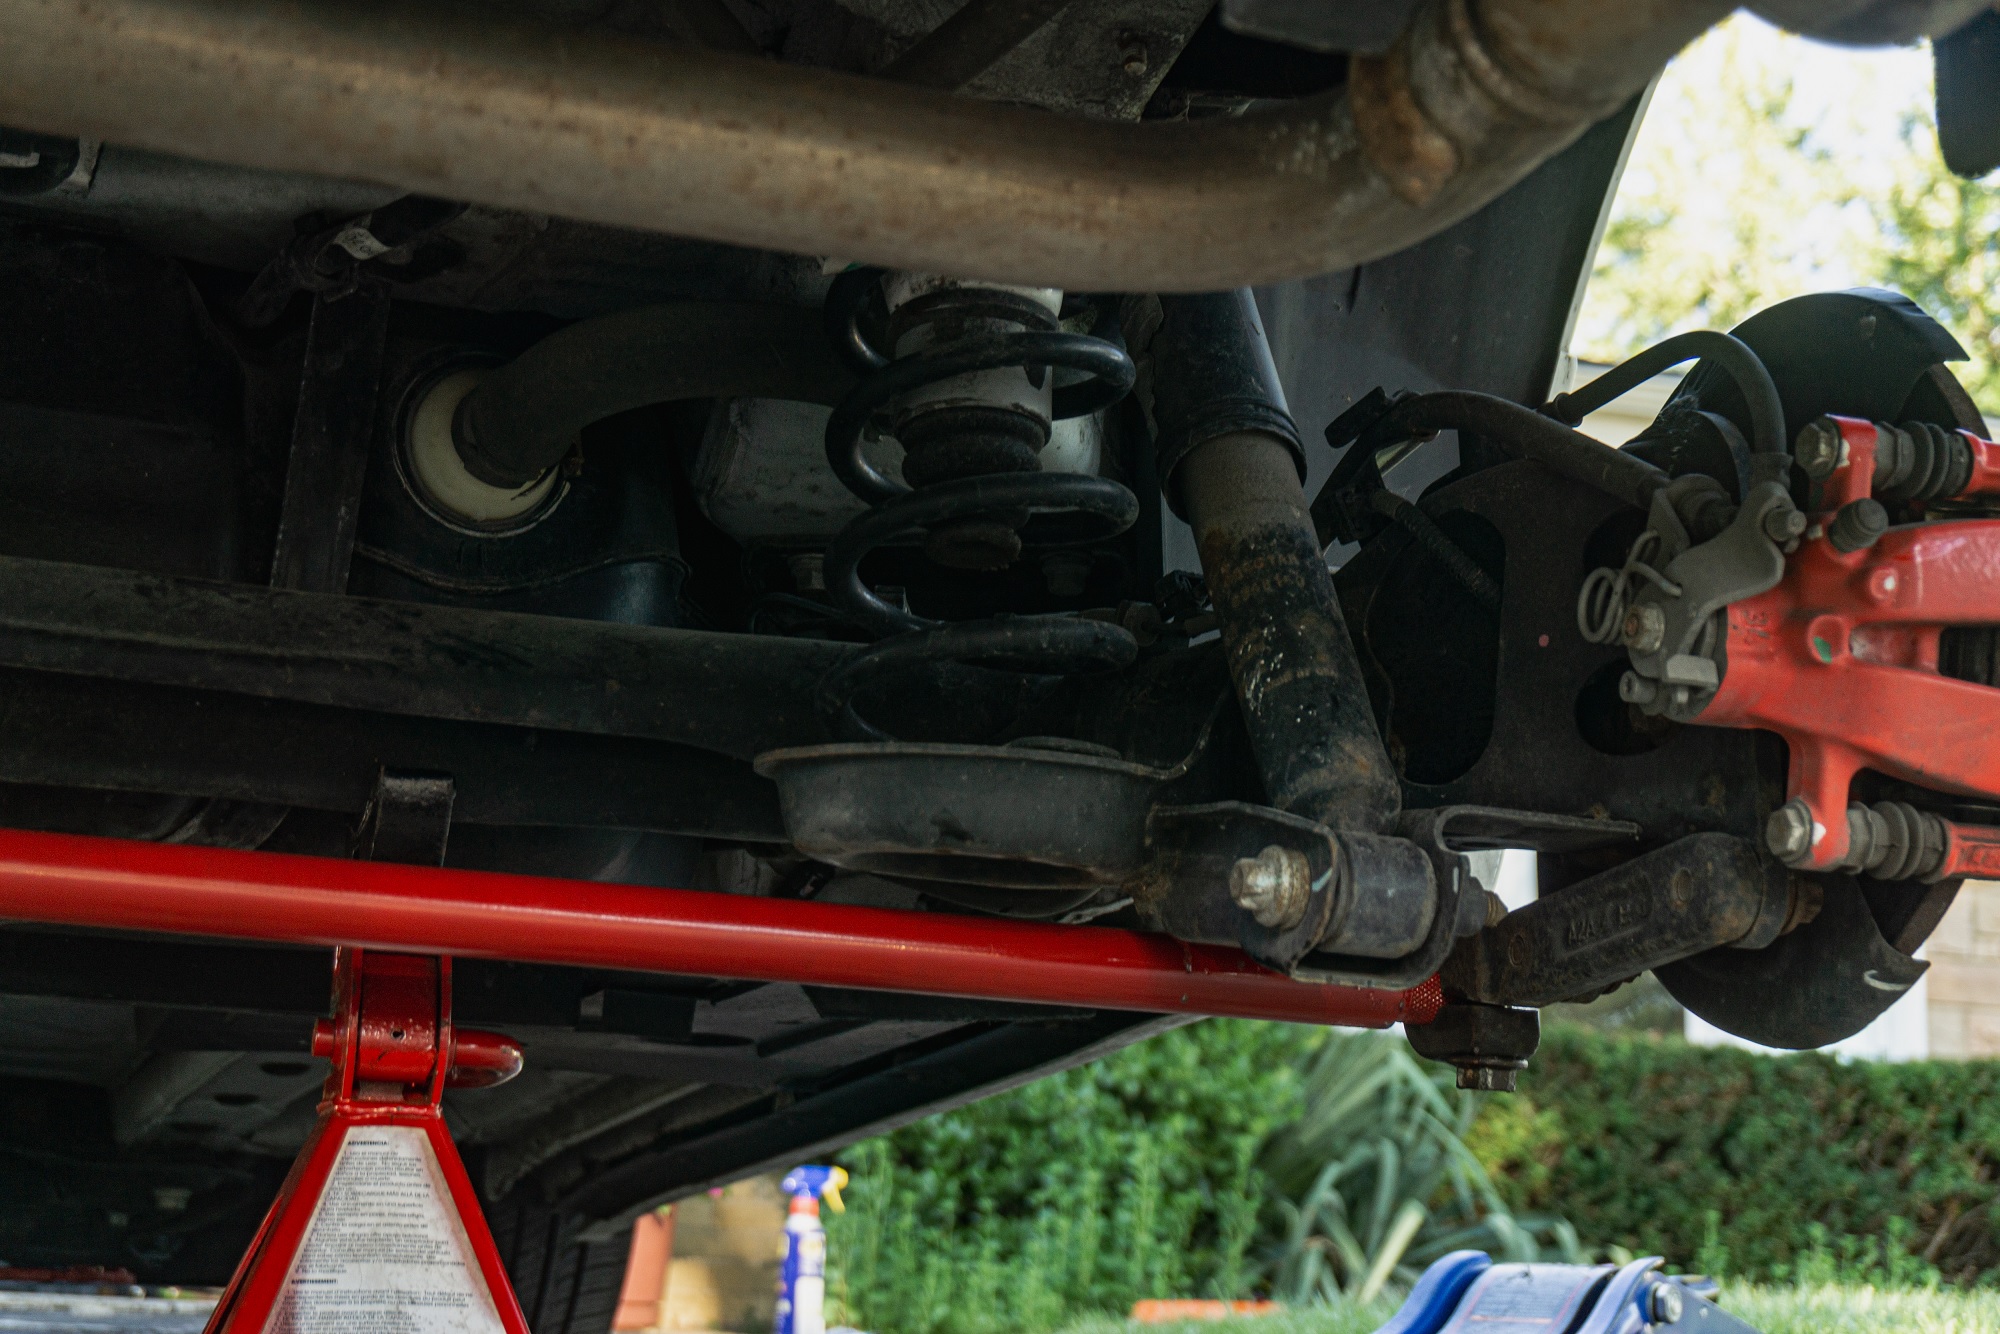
(457, 103)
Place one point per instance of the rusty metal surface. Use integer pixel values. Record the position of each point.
(1410, 152)
(616, 130)
(1297, 678)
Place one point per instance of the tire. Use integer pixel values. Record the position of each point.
(565, 1285)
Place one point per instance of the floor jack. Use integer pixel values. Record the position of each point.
(1467, 1293)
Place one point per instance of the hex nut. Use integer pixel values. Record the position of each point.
(1668, 1303)
(1489, 1044)
(1818, 449)
(1273, 886)
(1788, 833)
(1645, 628)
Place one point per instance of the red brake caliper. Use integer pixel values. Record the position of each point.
(1841, 660)
(377, 1225)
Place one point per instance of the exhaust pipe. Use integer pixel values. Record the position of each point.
(455, 103)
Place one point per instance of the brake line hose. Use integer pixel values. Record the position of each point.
(1732, 354)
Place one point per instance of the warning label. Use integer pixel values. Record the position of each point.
(385, 1252)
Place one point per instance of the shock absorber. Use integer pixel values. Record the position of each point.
(967, 385)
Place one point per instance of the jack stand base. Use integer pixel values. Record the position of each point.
(377, 1229)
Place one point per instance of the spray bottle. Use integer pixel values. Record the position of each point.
(802, 1285)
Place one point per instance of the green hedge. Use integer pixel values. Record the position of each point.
(1135, 1177)
(1769, 1167)
(1083, 1192)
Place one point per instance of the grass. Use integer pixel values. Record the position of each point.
(1345, 1318)
(1838, 1309)
(1824, 1309)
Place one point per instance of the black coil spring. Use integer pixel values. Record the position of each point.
(986, 475)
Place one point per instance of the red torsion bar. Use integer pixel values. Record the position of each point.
(103, 882)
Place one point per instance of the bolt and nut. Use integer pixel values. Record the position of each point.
(1273, 886)
(1645, 628)
(1818, 449)
(1636, 689)
(808, 572)
(1133, 57)
(1789, 831)
(1668, 1304)
(1782, 523)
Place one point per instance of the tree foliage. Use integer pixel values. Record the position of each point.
(1939, 244)
(1747, 185)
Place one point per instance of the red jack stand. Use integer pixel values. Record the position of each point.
(377, 1229)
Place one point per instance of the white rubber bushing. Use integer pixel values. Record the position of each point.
(439, 473)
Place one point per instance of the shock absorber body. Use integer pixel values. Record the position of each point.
(979, 423)
(968, 386)
(1232, 465)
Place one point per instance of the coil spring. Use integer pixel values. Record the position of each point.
(976, 491)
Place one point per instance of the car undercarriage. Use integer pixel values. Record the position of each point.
(1095, 464)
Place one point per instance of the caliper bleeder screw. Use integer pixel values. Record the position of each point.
(1273, 886)
(1789, 831)
(1818, 448)
(1645, 628)
(1858, 524)
(1667, 1303)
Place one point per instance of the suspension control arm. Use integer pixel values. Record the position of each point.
(1698, 893)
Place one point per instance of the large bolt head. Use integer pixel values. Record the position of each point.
(1788, 833)
(1818, 449)
(1668, 1303)
(1488, 1078)
(1273, 886)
